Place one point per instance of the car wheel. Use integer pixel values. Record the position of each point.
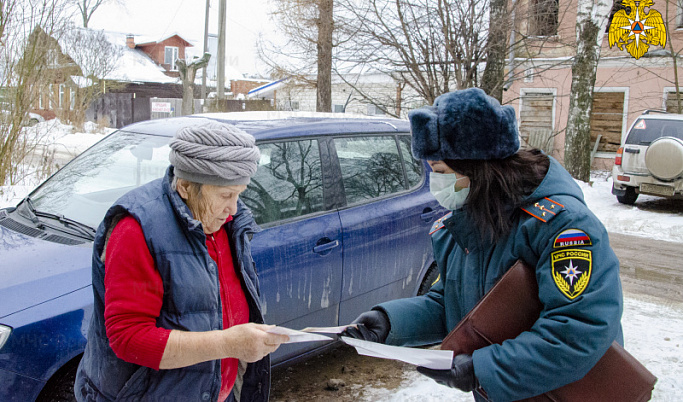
(430, 279)
(60, 388)
(664, 158)
(629, 198)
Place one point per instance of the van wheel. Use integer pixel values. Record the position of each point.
(629, 198)
(60, 388)
(431, 277)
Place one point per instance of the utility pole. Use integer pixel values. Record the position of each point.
(220, 61)
(206, 48)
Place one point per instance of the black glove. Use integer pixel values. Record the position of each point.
(371, 326)
(460, 376)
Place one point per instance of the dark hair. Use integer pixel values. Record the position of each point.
(498, 186)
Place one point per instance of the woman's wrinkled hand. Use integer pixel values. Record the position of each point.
(251, 342)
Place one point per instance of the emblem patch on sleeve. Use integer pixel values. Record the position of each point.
(572, 237)
(571, 270)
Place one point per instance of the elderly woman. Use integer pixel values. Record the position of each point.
(176, 313)
(507, 204)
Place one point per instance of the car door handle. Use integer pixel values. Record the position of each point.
(329, 245)
(632, 150)
(427, 215)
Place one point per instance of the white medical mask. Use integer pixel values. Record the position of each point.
(442, 187)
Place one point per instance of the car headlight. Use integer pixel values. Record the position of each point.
(4, 334)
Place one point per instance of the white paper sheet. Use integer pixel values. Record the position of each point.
(328, 330)
(434, 359)
(299, 336)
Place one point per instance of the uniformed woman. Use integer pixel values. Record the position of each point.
(507, 204)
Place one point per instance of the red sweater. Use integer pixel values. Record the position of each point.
(134, 295)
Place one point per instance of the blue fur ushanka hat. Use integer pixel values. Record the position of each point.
(465, 124)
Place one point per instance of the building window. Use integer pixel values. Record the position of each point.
(679, 14)
(543, 17)
(72, 98)
(338, 109)
(170, 57)
(375, 110)
(294, 105)
(529, 75)
(618, 5)
(40, 100)
(62, 93)
(51, 96)
(52, 58)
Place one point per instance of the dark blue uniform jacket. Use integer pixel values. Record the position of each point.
(579, 287)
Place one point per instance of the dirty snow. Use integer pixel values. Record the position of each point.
(653, 332)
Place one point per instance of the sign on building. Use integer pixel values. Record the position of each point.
(161, 107)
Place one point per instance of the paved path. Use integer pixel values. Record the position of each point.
(650, 267)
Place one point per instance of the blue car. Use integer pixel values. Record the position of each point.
(344, 207)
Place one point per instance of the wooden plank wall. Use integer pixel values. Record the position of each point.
(607, 118)
(672, 103)
(536, 121)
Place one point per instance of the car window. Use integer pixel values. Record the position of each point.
(645, 131)
(413, 166)
(287, 183)
(85, 188)
(371, 167)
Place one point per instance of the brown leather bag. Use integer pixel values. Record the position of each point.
(512, 307)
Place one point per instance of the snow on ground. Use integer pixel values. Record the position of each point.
(653, 333)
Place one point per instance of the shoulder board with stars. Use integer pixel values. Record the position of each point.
(544, 209)
(439, 222)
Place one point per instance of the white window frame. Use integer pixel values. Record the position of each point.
(374, 110)
(51, 96)
(62, 93)
(72, 98)
(679, 14)
(174, 52)
(529, 74)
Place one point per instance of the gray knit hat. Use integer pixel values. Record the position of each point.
(214, 153)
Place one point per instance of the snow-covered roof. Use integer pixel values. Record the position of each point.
(81, 82)
(133, 65)
(266, 90)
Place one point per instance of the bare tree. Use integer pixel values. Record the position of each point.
(96, 57)
(188, 71)
(24, 58)
(308, 28)
(86, 8)
(675, 54)
(493, 79)
(591, 20)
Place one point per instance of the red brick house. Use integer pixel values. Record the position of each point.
(164, 51)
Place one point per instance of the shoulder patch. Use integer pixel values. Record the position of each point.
(544, 209)
(571, 271)
(439, 223)
(572, 237)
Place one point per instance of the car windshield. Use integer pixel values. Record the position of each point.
(645, 131)
(85, 188)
